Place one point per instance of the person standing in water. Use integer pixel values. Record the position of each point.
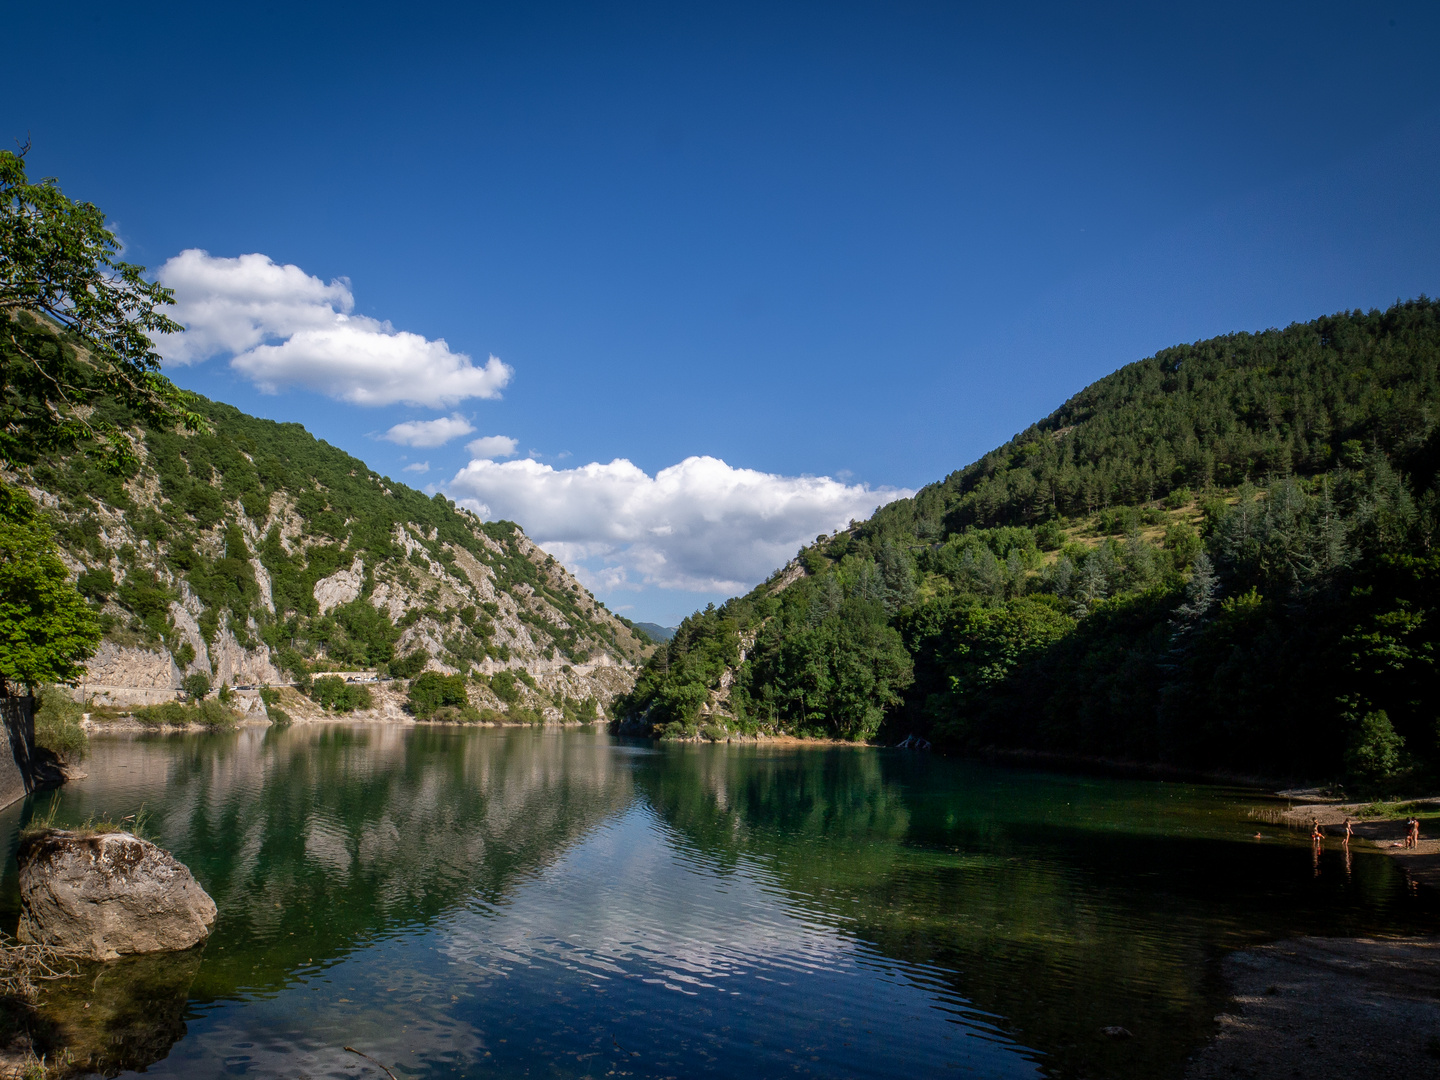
(1349, 831)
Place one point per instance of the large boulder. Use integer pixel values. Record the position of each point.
(103, 895)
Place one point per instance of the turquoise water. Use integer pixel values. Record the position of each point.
(494, 903)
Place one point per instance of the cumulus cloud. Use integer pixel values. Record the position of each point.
(417, 467)
(489, 447)
(700, 525)
(435, 432)
(285, 327)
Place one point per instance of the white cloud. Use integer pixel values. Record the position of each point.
(231, 305)
(492, 446)
(417, 467)
(699, 525)
(435, 432)
(289, 328)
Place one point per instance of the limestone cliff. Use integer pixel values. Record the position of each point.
(254, 554)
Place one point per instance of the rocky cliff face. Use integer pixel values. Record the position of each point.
(253, 554)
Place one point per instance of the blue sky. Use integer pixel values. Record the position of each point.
(857, 242)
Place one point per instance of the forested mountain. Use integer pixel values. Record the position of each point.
(1219, 557)
(249, 551)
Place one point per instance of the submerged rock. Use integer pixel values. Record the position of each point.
(106, 895)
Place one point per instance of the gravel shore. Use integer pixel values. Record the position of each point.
(1329, 1009)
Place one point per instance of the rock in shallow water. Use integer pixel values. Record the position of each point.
(106, 895)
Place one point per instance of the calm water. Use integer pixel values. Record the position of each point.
(483, 903)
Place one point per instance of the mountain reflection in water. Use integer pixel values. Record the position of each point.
(486, 902)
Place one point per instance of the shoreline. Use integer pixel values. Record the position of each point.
(1327, 1009)
(1421, 864)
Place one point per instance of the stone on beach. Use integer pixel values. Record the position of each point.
(106, 895)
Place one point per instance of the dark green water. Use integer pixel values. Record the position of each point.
(478, 903)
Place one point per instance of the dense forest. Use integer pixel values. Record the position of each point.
(1219, 558)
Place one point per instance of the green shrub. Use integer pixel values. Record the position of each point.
(464, 714)
(212, 714)
(335, 693)
(503, 685)
(1374, 753)
(197, 685)
(170, 713)
(520, 715)
(269, 696)
(407, 667)
(57, 723)
(432, 691)
(586, 711)
(98, 584)
(278, 716)
(208, 713)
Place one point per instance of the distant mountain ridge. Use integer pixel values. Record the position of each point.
(256, 553)
(655, 632)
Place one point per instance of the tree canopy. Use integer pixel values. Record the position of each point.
(46, 628)
(76, 325)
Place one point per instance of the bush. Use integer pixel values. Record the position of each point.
(269, 696)
(171, 714)
(1374, 752)
(1049, 535)
(503, 685)
(407, 667)
(57, 723)
(212, 714)
(333, 692)
(96, 584)
(197, 685)
(433, 691)
(278, 717)
(518, 715)
(585, 711)
(466, 714)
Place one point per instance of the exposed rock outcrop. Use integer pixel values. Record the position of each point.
(238, 666)
(120, 675)
(340, 587)
(105, 895)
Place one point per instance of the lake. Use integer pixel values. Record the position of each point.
(515, 902)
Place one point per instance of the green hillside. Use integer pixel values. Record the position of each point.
(1220, 557)
(230, 540)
